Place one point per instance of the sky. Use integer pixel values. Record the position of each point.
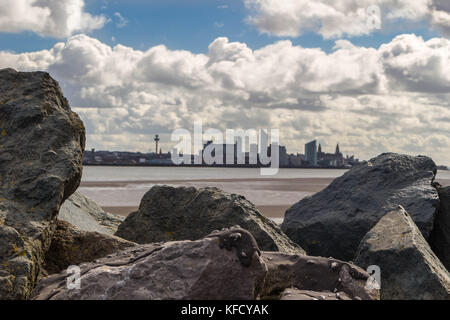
(371, 75)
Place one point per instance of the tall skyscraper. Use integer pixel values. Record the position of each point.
(311, 153)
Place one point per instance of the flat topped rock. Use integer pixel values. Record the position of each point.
(41, 152)
(193, 270)
(409, 268)
(333, 221)
(186, 213)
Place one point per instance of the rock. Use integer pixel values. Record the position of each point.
(72, 247)
(316, 274)
(409, 269)
(440, 236)
(86, 215)
(186, 213)
(173, 270)
(42, 143)
(333, 221)
(296, 294)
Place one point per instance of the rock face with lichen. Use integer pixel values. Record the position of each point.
(409, 268)
(193, 270)
(187, 213)
(71, 246)
(333, 221)
(41, 151)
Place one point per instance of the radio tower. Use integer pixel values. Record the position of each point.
(156, 142)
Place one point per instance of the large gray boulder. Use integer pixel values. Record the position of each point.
(333, 221)
(315, 274)
(71, 246)
(41, 152)
(440, 237)
(86, 215)
(186, 213)
(409, 268)
(210, 268)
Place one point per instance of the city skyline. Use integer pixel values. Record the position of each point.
(243, 154)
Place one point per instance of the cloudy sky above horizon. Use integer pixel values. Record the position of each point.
(314, 69)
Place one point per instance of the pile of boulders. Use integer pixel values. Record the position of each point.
(388, 213)
(188, 243)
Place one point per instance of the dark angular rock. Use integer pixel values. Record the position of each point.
(186, 213)
(333, 221)
(316, 274)
(73, 247)
(191, 270)
(409, 268)
(440, 236)
(41, 147)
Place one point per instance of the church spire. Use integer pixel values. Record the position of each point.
(337, 149)
(320, 149)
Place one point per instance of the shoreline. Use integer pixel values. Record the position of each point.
(267, 211)
(272, 187)
(281, 184)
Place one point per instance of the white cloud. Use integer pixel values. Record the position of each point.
(394, 98)
(54, 18)
(337, 18)
(415, 65)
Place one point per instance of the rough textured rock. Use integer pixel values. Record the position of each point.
(71, 247)
(86, 215)
(186, 213)
(41, 151)
(173, 270)
(409, 269)
(296, 294)
(316, 274)
(440, 236)
(333, 221)
(242, 240)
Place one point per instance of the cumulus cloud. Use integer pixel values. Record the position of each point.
(54, 18)
(415, 65)
(337, 18)
(394, 98)
(440, 16)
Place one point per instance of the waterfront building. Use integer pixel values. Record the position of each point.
(311, 153)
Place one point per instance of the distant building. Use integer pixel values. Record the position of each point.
(311, 153)
(296, 160)
(334, 160)
(283, 156)
(219, 152)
